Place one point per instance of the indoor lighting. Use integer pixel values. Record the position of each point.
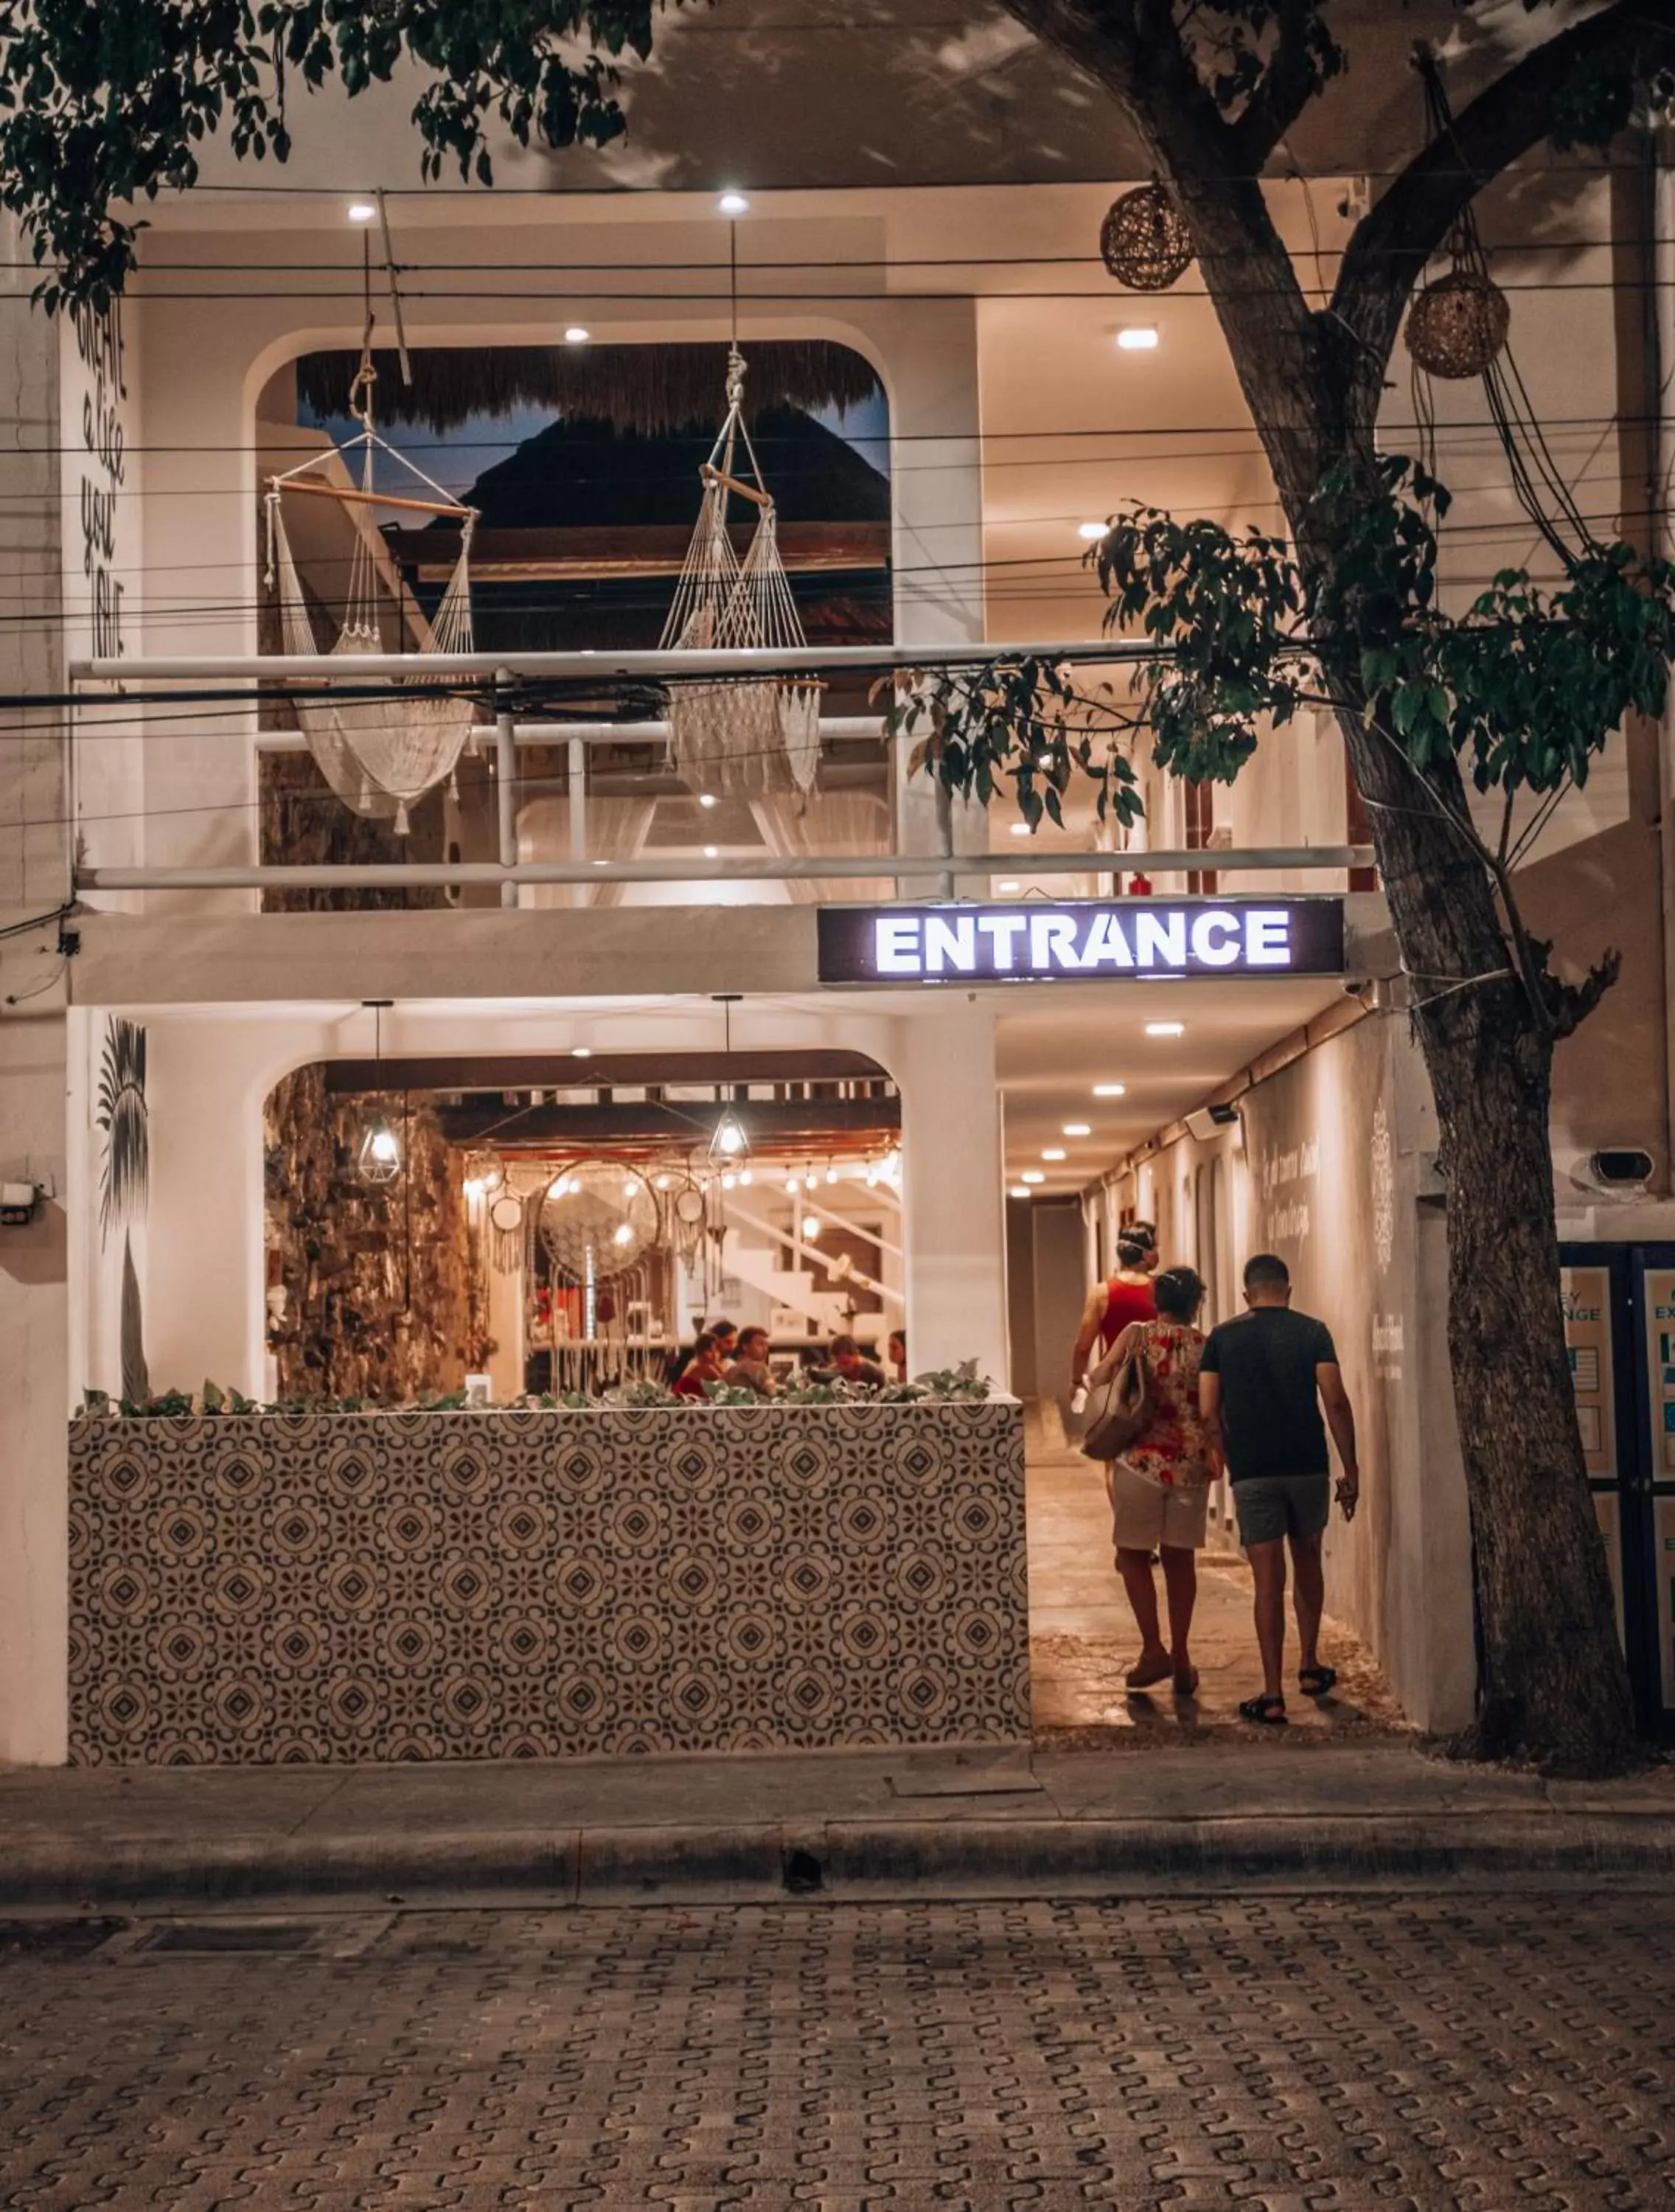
(1053, 1153)
(1021, 830)
(707, 799)
(1138, 338)
(378, 1155)
(745, 1175)
(810, 1180)
(1110, 1091)
(362, 211)
(1032, 1176)
(1165, 1029)
(622, 1234)
(730, 1182)
(1078, 1129)
(810, 1228)
(664, 1182)
(733, 203)
(631, 1188)
(576, 336)
(728, 1138)
(1090, 531)
(831, 1175)
(1012, 883)
(792, 1184)
(712, 851)
(581, 1052)
(1019, 1190)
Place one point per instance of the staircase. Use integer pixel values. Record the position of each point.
(757, 1262)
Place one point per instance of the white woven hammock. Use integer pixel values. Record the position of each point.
(750, 735)
(379, 756)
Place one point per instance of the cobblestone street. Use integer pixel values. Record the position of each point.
(1325, 2055)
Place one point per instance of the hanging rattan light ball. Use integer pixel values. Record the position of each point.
(1458, 324)
(1143, 241)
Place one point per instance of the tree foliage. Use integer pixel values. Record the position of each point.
(106, 103)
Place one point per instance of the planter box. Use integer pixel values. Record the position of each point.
(341, 1587)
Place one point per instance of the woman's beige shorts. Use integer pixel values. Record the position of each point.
(1144, 1515)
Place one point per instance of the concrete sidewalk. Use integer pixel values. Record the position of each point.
(981, 1822)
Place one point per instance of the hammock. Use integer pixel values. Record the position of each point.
(749, 735)
(379, 756)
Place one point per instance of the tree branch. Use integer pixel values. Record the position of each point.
(1391, 246)
(1294, 74)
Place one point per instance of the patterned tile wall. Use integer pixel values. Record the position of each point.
(496, 1585)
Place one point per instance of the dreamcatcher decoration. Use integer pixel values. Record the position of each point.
(1143, 242)
(686, 1214)
(749, 735)
(598, 1225)
(379, 756)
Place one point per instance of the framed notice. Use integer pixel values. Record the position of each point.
(1585, 1292)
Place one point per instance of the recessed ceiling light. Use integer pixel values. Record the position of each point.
(576, 336)
(1165, 1029)
(1052, 1152)
(1090, 531)
(361, 211)
(733, 203)
(1019, 1190)
(707, 799)
(1032, 1175)
(581, 1052)
(1078, 1129)
(1021, 830)
(1012, 883)
(1110, 1091)
(1138, 338)
(712, 851)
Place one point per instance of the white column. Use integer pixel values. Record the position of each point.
(952, 1195)
(34, 1303)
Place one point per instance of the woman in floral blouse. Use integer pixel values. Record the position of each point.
(1160, 1487)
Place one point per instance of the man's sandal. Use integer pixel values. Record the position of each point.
(1317, 1681)
(1265, 1711)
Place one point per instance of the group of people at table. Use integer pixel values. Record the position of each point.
(741, 1358)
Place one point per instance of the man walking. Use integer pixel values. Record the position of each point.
(1263, 1382)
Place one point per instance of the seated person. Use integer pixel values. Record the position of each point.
(724, 1333)
(750, 1369)
(845, 1363)
(897, 1354)
(704, 1367)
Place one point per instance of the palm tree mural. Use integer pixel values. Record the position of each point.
(125, 1173)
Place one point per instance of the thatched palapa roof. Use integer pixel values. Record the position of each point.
(652, 389)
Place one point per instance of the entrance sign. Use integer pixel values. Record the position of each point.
(1033, 941)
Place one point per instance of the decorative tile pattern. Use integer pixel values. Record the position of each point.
(497, 1585)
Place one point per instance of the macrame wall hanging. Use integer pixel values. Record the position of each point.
(380, 755)
(747, 735)
(1143, 242)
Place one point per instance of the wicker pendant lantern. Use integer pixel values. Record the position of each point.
(1458, 324)
(1142, 240)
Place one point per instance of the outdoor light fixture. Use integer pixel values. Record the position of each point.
(1032, 1176)
(1165, 1029)
(581, 1052)
(362, 211)
(576, 336)
(712, 851)
(1090, 531)
(1019, 1190)
(1053, 1153)
(1010, 885)
(1078, 1129)
(378, 1153)
(1110, 1091)
(707, 799)
(732, 202)
(729, 1147)
(729, 1139)
(1138, 338)
(1021, 830)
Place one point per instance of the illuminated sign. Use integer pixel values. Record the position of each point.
(1084, 940)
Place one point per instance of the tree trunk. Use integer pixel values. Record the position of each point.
(1555, 1688)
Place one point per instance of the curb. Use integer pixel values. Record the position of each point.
(838, 1860)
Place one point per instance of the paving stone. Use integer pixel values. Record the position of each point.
(1421, 2053)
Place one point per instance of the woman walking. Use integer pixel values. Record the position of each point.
(1125, 1295)
(1160, 1486)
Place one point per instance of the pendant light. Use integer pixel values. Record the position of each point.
(378, 1151)
(730, 1142)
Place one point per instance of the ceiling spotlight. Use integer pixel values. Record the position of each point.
(581, 1052)
(1110, 1091)
(1052, 1152)
(707, 799)
(1138, 338)
(1012, 883)
(576, 336)
(1021, 830)
(712, 851)
(362, 211)
(732, 202)
(1090, 531)
(1078, 1129)
(1019, 1190)
(1032, 1176)
(1165, 1029)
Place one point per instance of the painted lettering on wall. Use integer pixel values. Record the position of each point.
(104, 467)
(1287, 1210)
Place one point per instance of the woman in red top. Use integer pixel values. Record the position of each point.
(1125, 1297)
(703, 1368)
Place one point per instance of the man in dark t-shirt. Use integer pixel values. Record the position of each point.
(1263, 1381)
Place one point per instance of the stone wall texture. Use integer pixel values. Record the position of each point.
(325, 1588)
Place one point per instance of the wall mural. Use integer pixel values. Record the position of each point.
(125, 1172)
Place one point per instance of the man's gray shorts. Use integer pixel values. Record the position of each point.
(1270, 1506)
